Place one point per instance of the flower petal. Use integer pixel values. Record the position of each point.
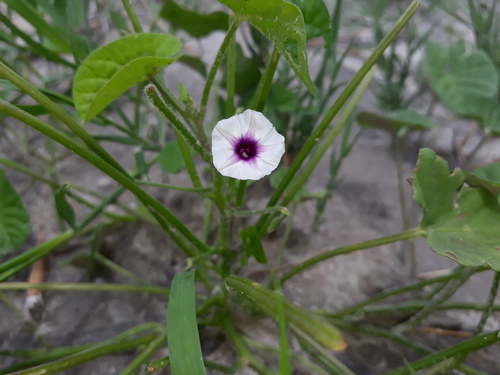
(223, 156)
(243, 170)
(258, 124)
(272, 154)
(222, 138)
(265, 167)
(230, 126)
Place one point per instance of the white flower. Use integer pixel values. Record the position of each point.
(246, 146)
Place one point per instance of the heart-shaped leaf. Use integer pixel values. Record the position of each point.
(460, 79)
(469, 233)
(434, 187)
(111, 70)
(14, 220)
(395, 121)
(283, 24)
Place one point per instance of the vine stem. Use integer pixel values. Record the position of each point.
(211, 77)
(489, 304)
(413, 233)
(154, 96)
(101, 164)
(339, 103)
(89, 287)
(132, 16)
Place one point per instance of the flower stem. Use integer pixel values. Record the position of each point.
(188, 160)
(417, 232)
(213, 71)
(132, 16)
(153, 95)
(260, 97)
(231, 77)
(489, 304)
(339, 103)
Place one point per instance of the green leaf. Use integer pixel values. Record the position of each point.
(469, 233)
(267, 300)
(316, 19)
(158, 364)
(196, 24)
(487, 177)
(396, 120)
(434, 187)
(182, 327)
(458, 78)
(111, 70)
(171, 159)
(252, 244)
(14, 220)
(64, 209)
(282, 23)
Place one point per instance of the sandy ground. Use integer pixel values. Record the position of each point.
(365, 206)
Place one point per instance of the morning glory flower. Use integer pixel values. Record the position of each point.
(246, 146)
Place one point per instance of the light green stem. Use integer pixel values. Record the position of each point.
(153, 95)
(339, 103)
(88, 287)
(414, 233)
(265, 83)
(95, 160)
(132, 16)
(211, 75)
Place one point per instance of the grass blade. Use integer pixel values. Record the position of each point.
(183, 338)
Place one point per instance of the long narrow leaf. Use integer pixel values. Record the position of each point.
(183, 338)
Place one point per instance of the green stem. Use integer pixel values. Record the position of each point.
(443, 296)
(330, 138)
(468, 346)
(173, 187)
(211, 75)
(93, 159)
(146, 353)
(188, 161)
(231, 77)
(413, 306)
(119, 269)
(246, 356)
(87, 287)
(339, 103)
(132, 16)
(414, 233)
(60, 114)
(265, 83)
(396, 291)
(240, 195)
(412, 259)
(153, 94)
(117, 344)
(12, 266)
(489, 304)
(278, 209)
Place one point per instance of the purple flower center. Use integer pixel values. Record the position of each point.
(246, 148)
